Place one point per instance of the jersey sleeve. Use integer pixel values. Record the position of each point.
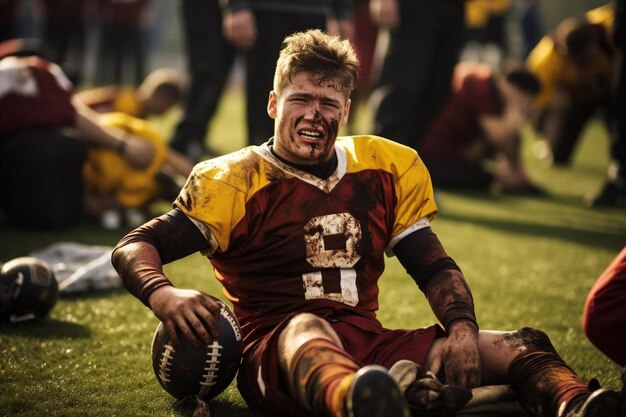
(214, 199)
(416, 205)
(415, 202)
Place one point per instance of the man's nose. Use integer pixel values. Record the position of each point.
(313, 112)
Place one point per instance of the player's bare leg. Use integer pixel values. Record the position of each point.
(544, 385)
(326, 380)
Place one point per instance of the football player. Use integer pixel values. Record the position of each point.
(297, 230)
(482, 121)
(43, 136)
(575, 66)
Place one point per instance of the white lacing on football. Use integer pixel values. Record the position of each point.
(165, 364)
(232, 321)
(213, 360)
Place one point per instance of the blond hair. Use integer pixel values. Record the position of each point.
(165, 81)
(323, 56)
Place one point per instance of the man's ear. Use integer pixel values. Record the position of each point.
(346, 112)
(272, 103)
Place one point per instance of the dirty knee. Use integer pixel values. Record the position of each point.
(528, 338)
(301, 329)
(307, 323)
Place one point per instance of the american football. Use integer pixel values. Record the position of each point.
(28, 289)
(204, 372)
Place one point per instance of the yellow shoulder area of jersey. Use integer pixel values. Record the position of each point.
(375, 152)
(244, 170)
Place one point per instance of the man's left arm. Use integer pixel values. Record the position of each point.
(450, 298)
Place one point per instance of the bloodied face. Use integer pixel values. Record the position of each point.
(307, 116)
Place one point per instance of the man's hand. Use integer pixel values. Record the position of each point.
(459, 355)
(139, 153)
(194, 313)
(240, 28)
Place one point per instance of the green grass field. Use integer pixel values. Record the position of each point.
(530, 262)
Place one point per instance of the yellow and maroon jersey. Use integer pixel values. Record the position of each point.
(283, 240)
(556, 72)
(106, 172)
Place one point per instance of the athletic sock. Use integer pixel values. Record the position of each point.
(320, 376)
(545, 385)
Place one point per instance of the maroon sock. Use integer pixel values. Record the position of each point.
(319, 375)
(543, 382)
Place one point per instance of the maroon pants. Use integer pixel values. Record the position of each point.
(264, 388)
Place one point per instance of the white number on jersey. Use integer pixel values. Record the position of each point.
(331, 242)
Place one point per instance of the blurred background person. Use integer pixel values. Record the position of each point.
(158, 93)
(121, 51)
(364, 40)
(118, 193)
(44, 135)
(259, 28)
(116, 190)
(425, 40)
(62, 24)
(209, 58)
(613, 191)
(575, 67)
(474, 141)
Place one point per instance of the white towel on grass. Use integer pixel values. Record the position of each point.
(79, 267)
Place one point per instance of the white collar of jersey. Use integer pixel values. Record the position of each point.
(325, 185)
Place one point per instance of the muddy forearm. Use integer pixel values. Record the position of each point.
(140, 255)
(450, 298)
(139, 266)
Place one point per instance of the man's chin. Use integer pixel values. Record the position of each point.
(311, 158)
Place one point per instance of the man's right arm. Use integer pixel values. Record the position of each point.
(139, 258)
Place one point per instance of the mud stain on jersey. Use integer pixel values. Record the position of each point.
(274, 173)
(240, 169)
(190, 192)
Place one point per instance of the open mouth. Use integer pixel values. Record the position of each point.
(310, 134)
